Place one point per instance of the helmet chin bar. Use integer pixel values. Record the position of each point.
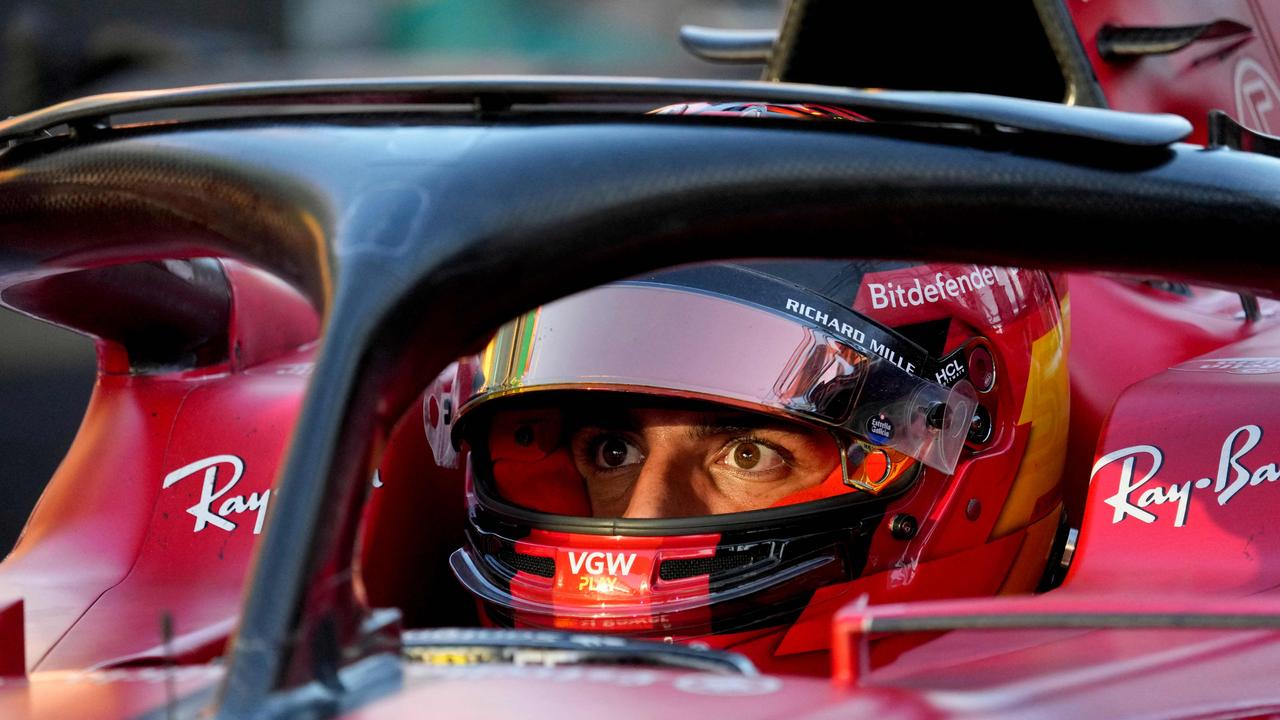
(467, 567)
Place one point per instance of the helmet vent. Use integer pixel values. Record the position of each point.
(532, 564)
(722, 562)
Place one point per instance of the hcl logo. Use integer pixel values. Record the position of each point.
(597, 563)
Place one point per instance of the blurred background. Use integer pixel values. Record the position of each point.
(60, 49)
(56, 49)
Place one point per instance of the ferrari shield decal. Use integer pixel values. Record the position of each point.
(1257, 96)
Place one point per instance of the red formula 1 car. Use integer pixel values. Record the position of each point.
(275, 296)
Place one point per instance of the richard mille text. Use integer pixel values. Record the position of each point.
(853, 333)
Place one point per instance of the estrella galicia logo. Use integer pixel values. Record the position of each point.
(879, 429)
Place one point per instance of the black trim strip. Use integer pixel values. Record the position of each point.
(488, 94)
(1083, 88)
(1225, 132)
(1117, 43)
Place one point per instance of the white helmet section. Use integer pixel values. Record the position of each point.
(672, 341)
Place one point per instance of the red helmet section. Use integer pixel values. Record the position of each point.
(768, 585)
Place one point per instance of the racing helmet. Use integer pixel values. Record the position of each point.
(935, 394)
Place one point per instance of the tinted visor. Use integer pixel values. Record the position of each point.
(625, 456)
(673, 342)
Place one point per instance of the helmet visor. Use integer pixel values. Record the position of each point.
(672, 342)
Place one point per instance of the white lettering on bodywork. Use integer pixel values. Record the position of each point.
(211, 493)
(1231, 477)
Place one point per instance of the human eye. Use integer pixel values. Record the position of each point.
(611, 451)
(754, 456)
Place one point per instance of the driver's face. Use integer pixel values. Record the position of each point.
(664, 463)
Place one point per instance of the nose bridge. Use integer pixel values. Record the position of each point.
(664, 487)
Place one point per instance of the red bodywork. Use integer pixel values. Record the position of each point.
(1234, 69)
(154, 511)
(122, 534)
(1146, 356)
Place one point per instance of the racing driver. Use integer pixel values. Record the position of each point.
(728, 453)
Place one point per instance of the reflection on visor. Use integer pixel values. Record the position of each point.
(668, 341)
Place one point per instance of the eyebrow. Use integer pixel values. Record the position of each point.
(737, 424)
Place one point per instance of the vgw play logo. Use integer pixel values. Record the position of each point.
(601, 572)
(600, 563)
